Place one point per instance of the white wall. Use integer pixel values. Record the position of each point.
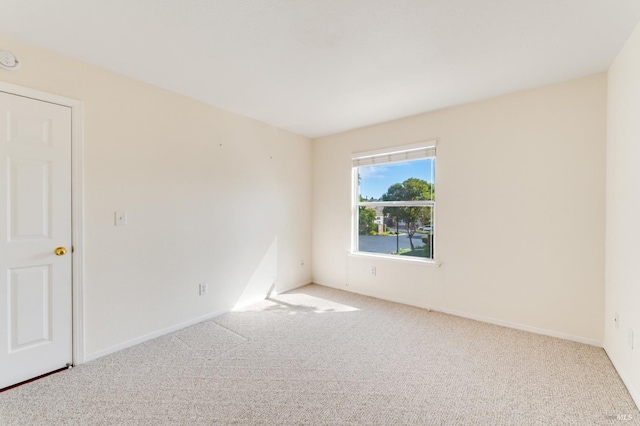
(520, 211)
(623, 214)
(211, 197)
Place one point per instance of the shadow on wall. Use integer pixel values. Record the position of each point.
(263, 280)
(262, 284)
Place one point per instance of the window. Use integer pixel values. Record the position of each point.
(394, 201)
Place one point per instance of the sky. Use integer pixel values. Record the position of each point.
(375, 180)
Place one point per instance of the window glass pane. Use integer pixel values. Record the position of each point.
(398, 230)
(375, 181)
(386, 234)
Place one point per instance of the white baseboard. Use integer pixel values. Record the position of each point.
(155, 334)
(536, 330)
(171, 329)
(292, 287)
(475, 317)
(625, 379)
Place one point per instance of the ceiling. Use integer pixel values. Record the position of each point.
(317, 67)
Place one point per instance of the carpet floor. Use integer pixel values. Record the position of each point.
(320, 356)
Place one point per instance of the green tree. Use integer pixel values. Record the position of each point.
(412, 189)
(366, 219)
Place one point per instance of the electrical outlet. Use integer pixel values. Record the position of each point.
(631, 339)
(203, 289)
(616, 320)
(373, 271)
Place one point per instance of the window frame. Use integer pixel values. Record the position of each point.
(396, 151)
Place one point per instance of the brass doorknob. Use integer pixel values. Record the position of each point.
(60, 251)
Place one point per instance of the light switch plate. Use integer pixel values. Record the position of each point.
(121, 218)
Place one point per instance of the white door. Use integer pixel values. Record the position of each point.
(35, 220)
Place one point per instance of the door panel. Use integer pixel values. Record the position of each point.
(28, 130)
(35, 218)
(29, 301)
(29, 199)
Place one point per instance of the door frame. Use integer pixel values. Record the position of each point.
(77, 207)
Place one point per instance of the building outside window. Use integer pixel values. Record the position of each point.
(394, 202)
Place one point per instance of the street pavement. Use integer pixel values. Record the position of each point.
(387, 243)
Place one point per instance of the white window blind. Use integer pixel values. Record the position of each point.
(394, 157)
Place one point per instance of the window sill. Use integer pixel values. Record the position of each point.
(394, 258)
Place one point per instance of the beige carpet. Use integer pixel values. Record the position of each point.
(320, 356)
